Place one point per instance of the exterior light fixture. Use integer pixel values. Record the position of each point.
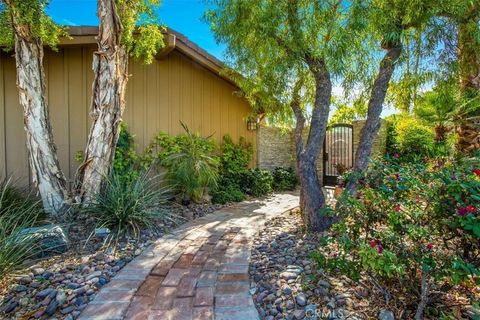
(252, 124)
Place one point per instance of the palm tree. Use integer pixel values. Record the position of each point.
(437, 107)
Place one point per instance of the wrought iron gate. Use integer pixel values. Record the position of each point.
(337, 152)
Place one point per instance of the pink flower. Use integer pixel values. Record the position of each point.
(397, 208)
(380, 248)
(396, 156)
(462, 211)
(373, 243)
(429, 247)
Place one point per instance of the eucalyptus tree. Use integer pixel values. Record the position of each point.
(26, 28)
(389, 20)
(127, 28)
(287, 53)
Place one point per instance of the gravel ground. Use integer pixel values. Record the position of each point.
(61, 286)
(289, 285)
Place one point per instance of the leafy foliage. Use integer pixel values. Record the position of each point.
(409, 138)
(270, 44)
(141, 34)
(228, 192)
(235, 157)
(437, 108)
(125, 163)
(234, 162)
(347, 114)
(193, 168)
(16, 213)
(256, 182)
(409, 220)
(30, 15)
(126, 207)
(284, 179)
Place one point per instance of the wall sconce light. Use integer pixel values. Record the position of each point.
(252, 124)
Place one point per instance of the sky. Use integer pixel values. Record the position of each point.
(184, 16)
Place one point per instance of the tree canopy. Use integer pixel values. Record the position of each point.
(31, 22)
(270, 46)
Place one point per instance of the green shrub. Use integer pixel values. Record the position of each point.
(234, 162)
(235, 157)
(17, 212)
(409, 138)
(193, 168)
(284, 179)
(408, 221)
(125, 163)
(228, 194)
(127, 207)
(256, 182)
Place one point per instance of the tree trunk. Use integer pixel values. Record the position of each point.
(375, 106)
(110, 65)
(469, 69)
(312, 199)
(42, 155)
(469, 55)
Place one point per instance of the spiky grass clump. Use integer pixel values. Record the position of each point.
(128, 207)
(16, 214)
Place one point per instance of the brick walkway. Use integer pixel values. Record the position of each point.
(199, 271)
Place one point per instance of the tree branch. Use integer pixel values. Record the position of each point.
(300, 118)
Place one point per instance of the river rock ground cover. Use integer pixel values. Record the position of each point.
(288, 284)
(61, 286)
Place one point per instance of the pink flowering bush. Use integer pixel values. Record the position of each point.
(410, 225)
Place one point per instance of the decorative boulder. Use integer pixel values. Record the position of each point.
(52, 239)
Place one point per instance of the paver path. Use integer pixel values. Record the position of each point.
(199, 271)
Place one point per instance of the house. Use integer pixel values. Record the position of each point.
(184, 83)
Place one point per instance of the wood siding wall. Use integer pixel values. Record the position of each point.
(159, 96)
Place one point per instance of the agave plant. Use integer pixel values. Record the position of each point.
(194, 168)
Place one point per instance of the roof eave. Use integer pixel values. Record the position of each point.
(83, 35)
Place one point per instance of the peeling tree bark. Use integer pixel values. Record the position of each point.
(42, 155)
(375, 106)
(110, 65)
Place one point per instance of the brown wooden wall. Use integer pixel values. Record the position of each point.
(159, 96)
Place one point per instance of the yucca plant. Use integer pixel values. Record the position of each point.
(126, 207)
(194, 168)
(16, 214)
